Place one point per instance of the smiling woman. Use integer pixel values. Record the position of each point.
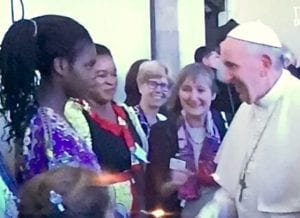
(183, 147)
(154, 86)
(111, 133)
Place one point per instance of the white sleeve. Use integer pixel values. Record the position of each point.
(221, 206)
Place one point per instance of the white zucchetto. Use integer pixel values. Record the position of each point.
(256, 32)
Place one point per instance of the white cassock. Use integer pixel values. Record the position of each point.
(263, 145)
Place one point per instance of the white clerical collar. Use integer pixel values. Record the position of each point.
(274, 93)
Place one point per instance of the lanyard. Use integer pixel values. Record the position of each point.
(120, 129)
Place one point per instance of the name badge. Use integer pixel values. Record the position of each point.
(177, 164)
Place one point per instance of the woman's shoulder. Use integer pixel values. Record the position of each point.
(161, 126)
(47, 125)
(34, 132)
(163, 132)
(166, 124)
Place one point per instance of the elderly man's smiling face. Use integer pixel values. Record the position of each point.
(244, 69)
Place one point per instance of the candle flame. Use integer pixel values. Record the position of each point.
(158, 213)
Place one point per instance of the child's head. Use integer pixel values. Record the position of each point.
(66, 192)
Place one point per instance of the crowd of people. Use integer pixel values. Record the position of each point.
(220, 140)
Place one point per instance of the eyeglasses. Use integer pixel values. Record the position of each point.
(154, 85)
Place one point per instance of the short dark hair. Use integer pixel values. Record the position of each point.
(202, 52)
(133, 96)
(102, 50)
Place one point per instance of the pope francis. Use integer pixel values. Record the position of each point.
(259, 159)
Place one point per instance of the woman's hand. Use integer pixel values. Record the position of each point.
(178, 178)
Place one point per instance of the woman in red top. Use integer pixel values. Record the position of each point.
(113, 136)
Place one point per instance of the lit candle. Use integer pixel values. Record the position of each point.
(158, 213)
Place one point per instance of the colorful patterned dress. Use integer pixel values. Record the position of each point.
(50, 141)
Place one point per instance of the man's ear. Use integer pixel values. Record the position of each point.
(60, 65)
(205, 61)
(266, 63)
(214, 96)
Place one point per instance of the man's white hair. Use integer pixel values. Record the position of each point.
(275, 53)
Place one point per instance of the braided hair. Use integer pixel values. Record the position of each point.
(28, 50)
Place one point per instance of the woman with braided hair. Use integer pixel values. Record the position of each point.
(45, 61)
